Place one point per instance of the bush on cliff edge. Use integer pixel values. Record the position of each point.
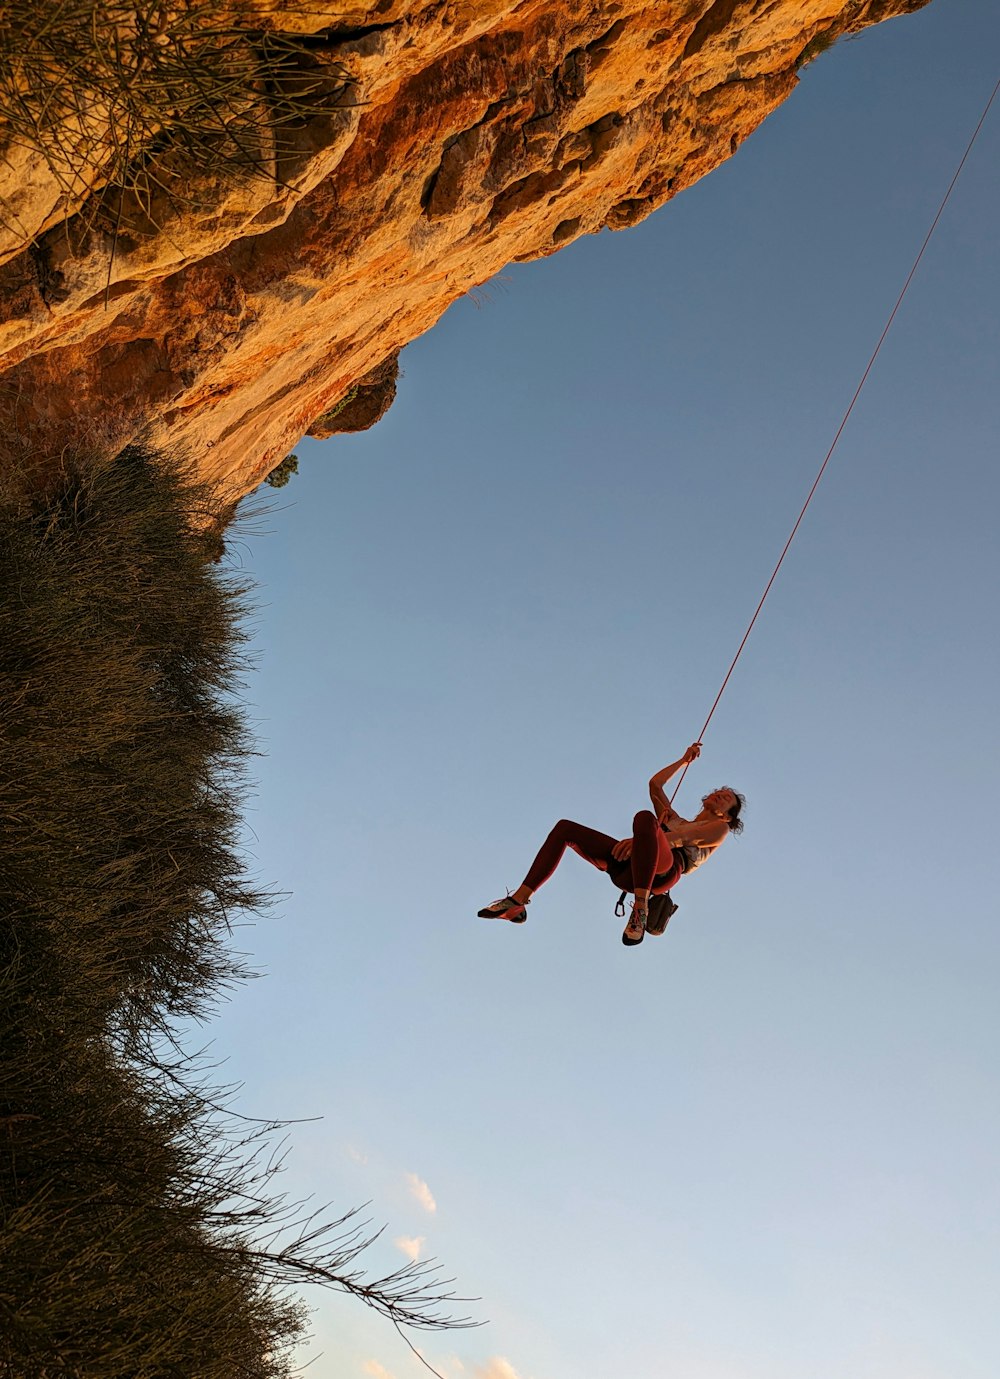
(123, 748)
(139, 1237)
(120, 766)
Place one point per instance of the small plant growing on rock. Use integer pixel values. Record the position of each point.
(280, 475)
(819, 43)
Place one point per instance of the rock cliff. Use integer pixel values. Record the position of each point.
(471, 133)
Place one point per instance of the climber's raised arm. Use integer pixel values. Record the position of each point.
(656, 783)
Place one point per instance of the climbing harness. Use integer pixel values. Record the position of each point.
(840, 428)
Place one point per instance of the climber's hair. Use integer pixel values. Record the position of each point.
(735, 822)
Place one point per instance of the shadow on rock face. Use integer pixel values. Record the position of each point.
(364, 404)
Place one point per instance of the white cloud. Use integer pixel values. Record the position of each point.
(357, 1155)
(411, 1245)
(450, 1367)
(376, 1371)
(421, 1192)
(497, 1368)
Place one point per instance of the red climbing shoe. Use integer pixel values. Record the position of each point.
(507, 908)
(635, 929)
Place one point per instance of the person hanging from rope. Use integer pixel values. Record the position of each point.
(663, 847)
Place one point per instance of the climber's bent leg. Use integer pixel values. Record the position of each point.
(645, 849)
(593, 847)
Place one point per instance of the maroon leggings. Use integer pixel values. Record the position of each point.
(596, 848)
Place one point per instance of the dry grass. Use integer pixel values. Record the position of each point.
(141, 1234)
(128, 98)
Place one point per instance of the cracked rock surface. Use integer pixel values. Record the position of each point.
(479, 132)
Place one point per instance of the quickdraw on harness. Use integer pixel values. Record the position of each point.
(659, 908)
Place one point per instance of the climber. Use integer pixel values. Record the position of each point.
(663, 847)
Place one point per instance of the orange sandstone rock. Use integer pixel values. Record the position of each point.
(477, 134)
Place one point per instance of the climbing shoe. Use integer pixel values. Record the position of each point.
(635, 929)
(507, 908)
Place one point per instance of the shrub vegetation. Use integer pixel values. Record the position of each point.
(817, 45)
(281, 473)
(138, 1233)
(132, 96)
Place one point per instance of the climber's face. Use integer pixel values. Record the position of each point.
(720, 802)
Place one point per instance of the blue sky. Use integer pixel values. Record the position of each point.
(763, 1147)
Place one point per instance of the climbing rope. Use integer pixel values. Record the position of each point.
(840, 428)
